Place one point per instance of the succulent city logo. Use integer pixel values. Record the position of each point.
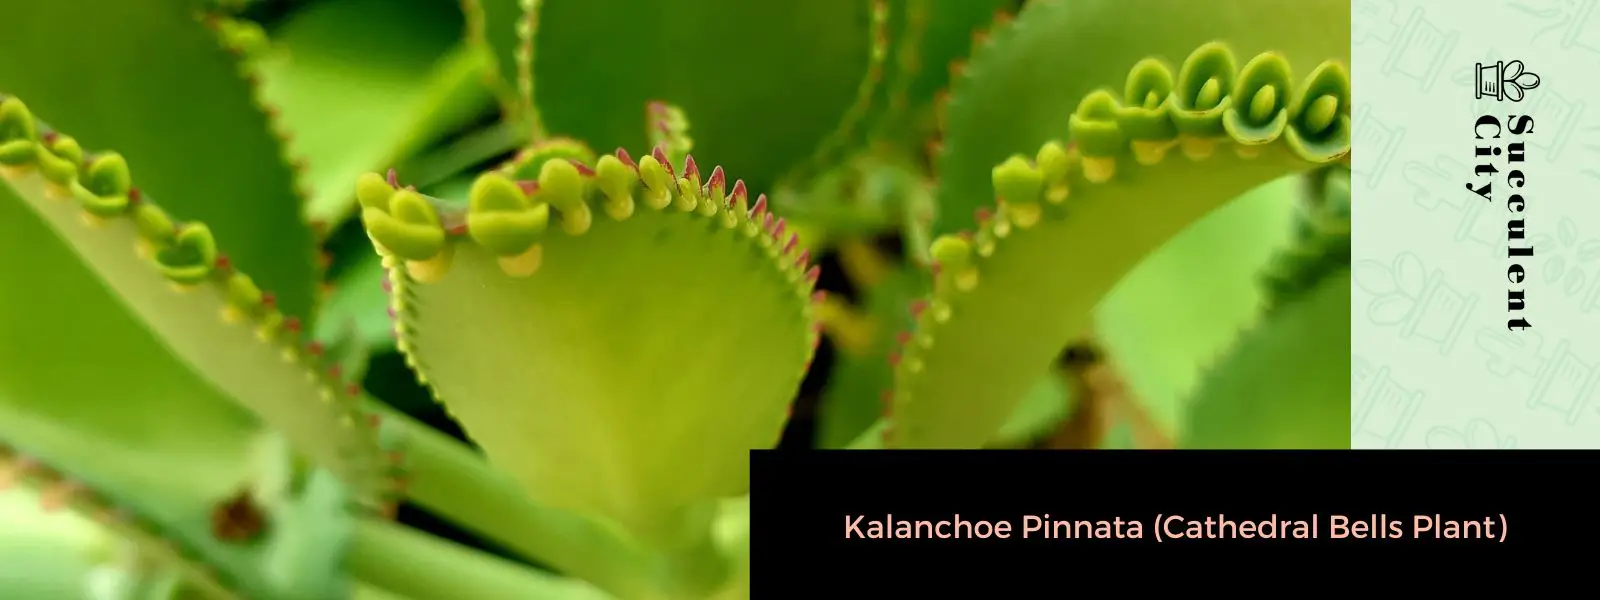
(1503, 81)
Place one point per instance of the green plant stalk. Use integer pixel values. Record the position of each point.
(414, 564)
(450, 479)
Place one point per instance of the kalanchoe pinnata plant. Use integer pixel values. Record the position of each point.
(220, 220)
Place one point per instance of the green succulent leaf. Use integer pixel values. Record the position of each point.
(928, 42)
(764, 82)
(948, 40)
(354, 100)
(1160, 345)
(171, 277)
(1286, 383)
(1012, 92)
(179, 412)
(97, 432)
(358, 299)
(1303, 277)
(1320, 242)
(630, 341)
(852, 131)
(151, 81)
(498, 31)
(853, 400)
(1074, 219)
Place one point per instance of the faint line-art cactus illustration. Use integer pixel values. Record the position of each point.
(1565, 268)
(492, 299)
(1563, 382)
(1477, 435)
(1565, 24)
(1381, 139)
(1417, 46)
(1382, 409)
(1420, 303)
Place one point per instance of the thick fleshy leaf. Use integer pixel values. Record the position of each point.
(853, 400)
(1014, 92)
(169, 277)
(765, 83)
(1160, 345)
(355, 100)
(1073, 219)
(358, 297)
(96, 412)
(629, 321)
(149, 80)
(1285, 384)
(930, 40)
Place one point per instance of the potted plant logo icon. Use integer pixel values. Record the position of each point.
(1505, 80)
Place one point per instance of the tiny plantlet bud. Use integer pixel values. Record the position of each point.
(59, 173)
(108, 175)
(615, 179)
(951, 251)
(16, 121)
(500, 216)
(1264, 104)
(1209, 96)
(16, 154)
(1319, 117)
(658, 182)
(190, 257)
(1018, 185)
(561, 185)
(373, 191)
(410, 229)
(688, 195)
(65, 147)
(1053, 162)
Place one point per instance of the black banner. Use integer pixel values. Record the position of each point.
(898, 521)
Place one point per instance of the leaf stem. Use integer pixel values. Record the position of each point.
(448, 478)
(422, 567)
